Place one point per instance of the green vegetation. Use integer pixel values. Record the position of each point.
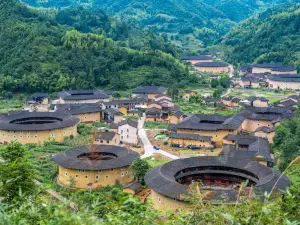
(189, 23)
(272, 36)
(155, 125)
(155, 162)
(14, 103)
(195, 108)
(140, 167)
(287, 142)
(52, 57)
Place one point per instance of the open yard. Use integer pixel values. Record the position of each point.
(269, 94)
(13, 104)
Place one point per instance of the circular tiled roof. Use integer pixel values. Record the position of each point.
(162, 179)
(37, 121)
(110, 157)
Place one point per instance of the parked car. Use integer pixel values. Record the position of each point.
(177, 146)
(156, 147)
(193, 147)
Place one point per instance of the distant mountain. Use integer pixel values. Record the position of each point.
(188, 23)
(272, 36)
(50, 51)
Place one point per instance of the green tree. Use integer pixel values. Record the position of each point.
(214, 83)
(140, 168)
(218, 92)
(16, 173)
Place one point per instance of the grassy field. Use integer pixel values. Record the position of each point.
(269, 94)
(13, 104)
(196, 108)
(155, 125)
(155, 162)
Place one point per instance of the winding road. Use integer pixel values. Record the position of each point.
(148, 147)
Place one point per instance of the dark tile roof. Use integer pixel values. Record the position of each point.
(38, 97)
(37, 121)
(285, 77)
(172, 127)
(163, 179)
(124, 101)
(268, 65)
(211, 122)
(198, 57)
(256, 145)
(71, 159)
(82, 94)
(105, 135)
(113, 126)
(75, 109)
(211, 64)
(288, 102)
(113, 112)
(265, 129)
(283, 69)
(130, 122)
(150, 90)
(295, 97)
(211, 99)
(134, 186)
(190, 136)
(267, 113)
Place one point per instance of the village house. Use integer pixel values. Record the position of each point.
(185, 140)
(285, 81)
(103, 136)
(196, 59)
(162, 97)
(81, 96)
(96, 166)
(245, 69)
(125, 105)
(128, 131)
(210, 101)
(38, 102)
(214, 126)
(87, 113)
(251, 147)
(231, 102)
(260, 102)
(265, 132)
(188, 93)
(256, 117)
(290, 102)
(149, 91)
(224, 176)
(273, 68)
(37, 127)
(212, 67)
(112, 115)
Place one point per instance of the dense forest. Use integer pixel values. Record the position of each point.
(191, 24)
(272, 36)
(49, 51)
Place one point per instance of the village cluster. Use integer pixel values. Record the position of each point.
(241, 143)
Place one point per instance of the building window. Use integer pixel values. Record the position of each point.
(66, 174)
(111, 169)
(158, 199)
(101, 141)
(126, 173)
(122, 174)
(52, 135)
(121, 131)
(127, 130)
(35, 136)
(81, 171)
(76, 175)
(106, 177)
(97, 177)
(107, 142)
(99, 171)
(86, 177)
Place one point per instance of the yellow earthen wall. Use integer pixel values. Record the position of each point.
(213, 69)
(161, 202)
(105, 177)
(251, 125)
(26, 137)
(185, 142)
(88, 117)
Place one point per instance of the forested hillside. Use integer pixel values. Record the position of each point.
(191, 24)
(273, 36)
(39, 54)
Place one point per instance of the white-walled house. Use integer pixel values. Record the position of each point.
(128, 131)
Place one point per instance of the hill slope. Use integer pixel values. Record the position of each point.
(270, 36)
(188, 23)
(38, 54)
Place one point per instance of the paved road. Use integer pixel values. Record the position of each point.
(148, 147)
(227, 92)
